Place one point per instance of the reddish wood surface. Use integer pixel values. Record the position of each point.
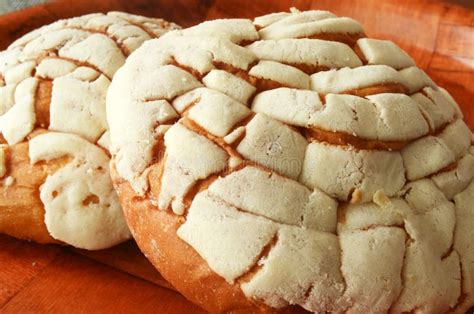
(36, 278)
(47, 279)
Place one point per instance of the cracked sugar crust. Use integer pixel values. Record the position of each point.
(54, 77)
(293, 161)
(81, 206)
(53, 85)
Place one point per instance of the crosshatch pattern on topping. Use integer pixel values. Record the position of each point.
(53, 86)
(335, 150)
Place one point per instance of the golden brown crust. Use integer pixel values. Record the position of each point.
(43, 102)
(22, 210)
(349, 39)
(344, 139)
(155, 233)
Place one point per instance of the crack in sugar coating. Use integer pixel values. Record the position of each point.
(280, 137)
(55, 79)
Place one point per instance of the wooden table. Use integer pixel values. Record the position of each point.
(36, 278)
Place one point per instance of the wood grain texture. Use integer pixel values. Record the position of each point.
(85, 286)
(21, 263)
(438, 34)
(128, 258)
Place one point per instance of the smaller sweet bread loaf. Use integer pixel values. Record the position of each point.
(292, 161)
(55, 183)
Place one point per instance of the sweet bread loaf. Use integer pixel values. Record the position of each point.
(291, 160)
(55, 184)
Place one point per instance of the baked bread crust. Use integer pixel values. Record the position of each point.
(298, 161)
(155, 231)
(24, 219)
(53, 83)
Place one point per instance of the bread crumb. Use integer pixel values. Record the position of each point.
(356, 196)
(380, 198)
(234, 161)
(234, 135)
(9, 181)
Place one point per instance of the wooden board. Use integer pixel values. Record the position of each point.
(44, 278)
(438, 34)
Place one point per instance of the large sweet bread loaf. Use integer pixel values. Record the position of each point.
(55, 184)
(290, 160)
